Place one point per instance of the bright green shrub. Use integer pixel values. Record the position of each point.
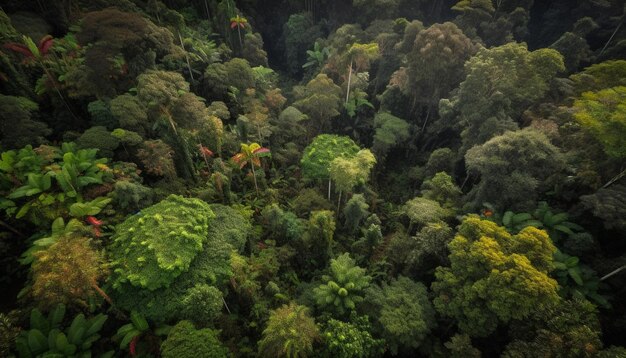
(320, 153)
(182, 292)
(185, 341)
(350, 339)
(151, 249)
(47, 338)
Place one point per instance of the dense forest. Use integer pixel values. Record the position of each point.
(317, 178)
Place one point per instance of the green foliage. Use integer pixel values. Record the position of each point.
(199, 257)
(577, 280)
(320, 101)
(355, 211)
(283, 226)
(501, 83)
(494, 276)
(350, 339)
(555, 224)
(391, 131)
(299, 33)
(232, 225)
(202, 304)
(99, 138)
(599, 76)
(48, 338)
(348, 173)
(151, 249)
(219, 77)
(316, 57)
(403, 311)
(131, 196)
(435, 63)
(42, 184)
(570, 329)
(322, 151)
(423, 211)
(343, 289)
(609, 205)
(290, 332)
(309, 200)
(442, 189)
(460, 346)
(603, 114)
(513, 168)
(185, 341)
(101, 115)
(18, 127)
(131, 113)
(423, 252)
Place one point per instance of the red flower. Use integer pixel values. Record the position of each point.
(205, 151)
(93, 221)
(487, 212)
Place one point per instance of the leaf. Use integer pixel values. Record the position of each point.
(56, 316)
(96, 324)
(61, 342)
(574, 273)
(506, 219)
(19, 48)
(44, 44)
(521, 217)
(129, 337)
(139, 321)
(559, 218)
(77, 329)
(564, 229)
(37, 321)
(572, 261)
(37, 341)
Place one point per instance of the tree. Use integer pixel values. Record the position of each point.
(603, 114)
(251, 154)
(391, 132)
(514, 168)
(185, 341)
(348, 173)
(187, 251)
(570, 329)
(343, 288)
(435, 64)
(322, 151)
(494, 277)
(299, 35)
(600, 76)
(609, 205)
(424, 211)
(494, 22)
(358, 58)
(68, 272)
(174, 231)
(350, 339)
(501, 83)
(320, 101)
(290, 332)
(403, 311)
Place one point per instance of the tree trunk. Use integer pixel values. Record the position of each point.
(349, 80)
(329, 189)
(256, 187)
(103, 294)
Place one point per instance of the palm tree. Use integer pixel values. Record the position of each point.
(251, 153)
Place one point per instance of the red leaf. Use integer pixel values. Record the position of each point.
(93, 221)
(261, 150)
(19, 48)
(133, 346)
(45, 44)
(233, 24)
